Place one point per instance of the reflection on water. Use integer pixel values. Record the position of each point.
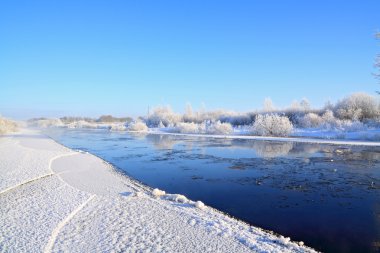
(325, 195)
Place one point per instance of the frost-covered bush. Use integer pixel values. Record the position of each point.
(163, 115)
(137, 126)
(220, 128)
(111, 119)
(204, 127)
(311, 120)
(272, 125)
(189, 128)
(118, 127)
(45, 123)
(7, 126)
(351, 126)
(358, 106)
(68, 120)
(237, 119)
(86, 124)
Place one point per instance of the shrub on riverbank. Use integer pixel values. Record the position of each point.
(7, 126)
(272, 125)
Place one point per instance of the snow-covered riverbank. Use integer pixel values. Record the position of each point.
(56, 199)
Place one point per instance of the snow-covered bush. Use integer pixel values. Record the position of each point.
(311, 120)
(86, 124)
(163, 115)
(7, 126)
(189, 128)
(352, 126)
(358, 106)
(118, 127)
(272, 125)
(137, 126)
(220, 128)
(237, 119)
(205, 127)
(45, 123)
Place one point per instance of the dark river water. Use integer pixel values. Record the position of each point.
(325, 195)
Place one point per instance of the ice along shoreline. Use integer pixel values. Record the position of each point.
(272, 138)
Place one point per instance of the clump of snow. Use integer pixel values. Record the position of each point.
(157, 192)
(7, 126)
(177, 198)
(284, 240)
(138, 126)
(200, 205)
(272, 125)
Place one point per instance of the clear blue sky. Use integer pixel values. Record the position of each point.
(94, 57)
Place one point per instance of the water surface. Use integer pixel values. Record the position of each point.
(325, 195)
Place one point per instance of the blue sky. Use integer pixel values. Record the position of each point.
(95, 57)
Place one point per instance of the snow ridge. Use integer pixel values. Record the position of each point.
(60, 225)
(25, 182)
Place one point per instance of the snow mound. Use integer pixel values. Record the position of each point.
(177, 198)
(200, 205)
(158, 193)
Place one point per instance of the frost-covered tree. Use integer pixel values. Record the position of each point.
(138, 126)
(295, 105)
(268, 105)
(311, 120)
(305, 104)
(189, 128)
(163, 114)
(272, 125)
(357, 106)
(189, 114)
(220, 128)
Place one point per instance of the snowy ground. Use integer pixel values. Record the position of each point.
(53, 199)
